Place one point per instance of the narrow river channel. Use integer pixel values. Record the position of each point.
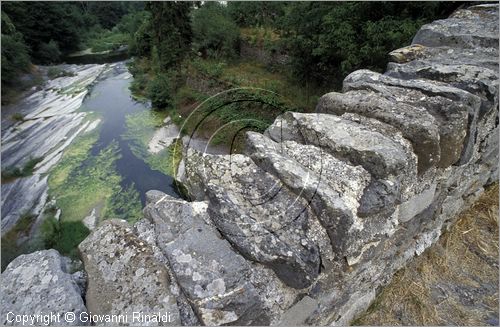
(112, 99)
(78, 153)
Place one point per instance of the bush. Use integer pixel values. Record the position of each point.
(70, 234)
(18, 116)
(209, 68)
(27, 170)
(64, 236)
(214, 32)
(262, 37)
(48, 53)
(11, 244)
(108, 41)
(49, 231)
(159, 91)
(55, 72)
(15, 57)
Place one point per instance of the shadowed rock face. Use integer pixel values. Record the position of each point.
(323, 207)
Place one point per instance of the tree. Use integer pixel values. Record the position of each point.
(328, 40)
(41, 22)
(48, 53)
(141, 39)
(171, 32)
(214, 32)
(256, 13)
(159, 91)
(15, 55)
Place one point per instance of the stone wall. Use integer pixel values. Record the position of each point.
(324, 207)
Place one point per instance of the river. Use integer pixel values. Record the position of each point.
(111, 98)
(82, 129)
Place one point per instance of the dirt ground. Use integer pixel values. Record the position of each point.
(455, 282)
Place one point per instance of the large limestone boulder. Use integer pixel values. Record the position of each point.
(215, 279)
(466, 28)
(40, 283)
(451, 107)
(264, 221)
(125, 276)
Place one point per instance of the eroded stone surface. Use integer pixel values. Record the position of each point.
(264, 221)
(416, 124)
(215, 279)
(124, 276)
(40, 283)
(323, 208)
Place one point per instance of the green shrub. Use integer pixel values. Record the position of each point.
(49, 232)
(55, 72)
(48, 53)
(18, 116)
(214, 32)
(11, 247)
(27, 170)
(209, 68)
(262, 37)
(160, 92)
(186, 95)
(70, 234)
(108, 41)
(30, 165)
(64, 236)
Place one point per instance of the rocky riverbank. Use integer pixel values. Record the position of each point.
(50, 122)
(321, 210)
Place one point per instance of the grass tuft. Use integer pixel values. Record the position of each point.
(17, 117)
(11, 246)
(27, 170)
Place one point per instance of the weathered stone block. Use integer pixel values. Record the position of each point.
(123, 274)
(40, 283)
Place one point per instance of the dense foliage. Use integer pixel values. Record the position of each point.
(215, 33)
(324, 40)
(15, 56)
(170, 33)
(256, 13)
(47, 26)
(328, 40)
(45, 32)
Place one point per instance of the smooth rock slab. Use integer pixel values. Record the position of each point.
(163, 137)
(20, 196)
(40, 283)
(124, 276)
